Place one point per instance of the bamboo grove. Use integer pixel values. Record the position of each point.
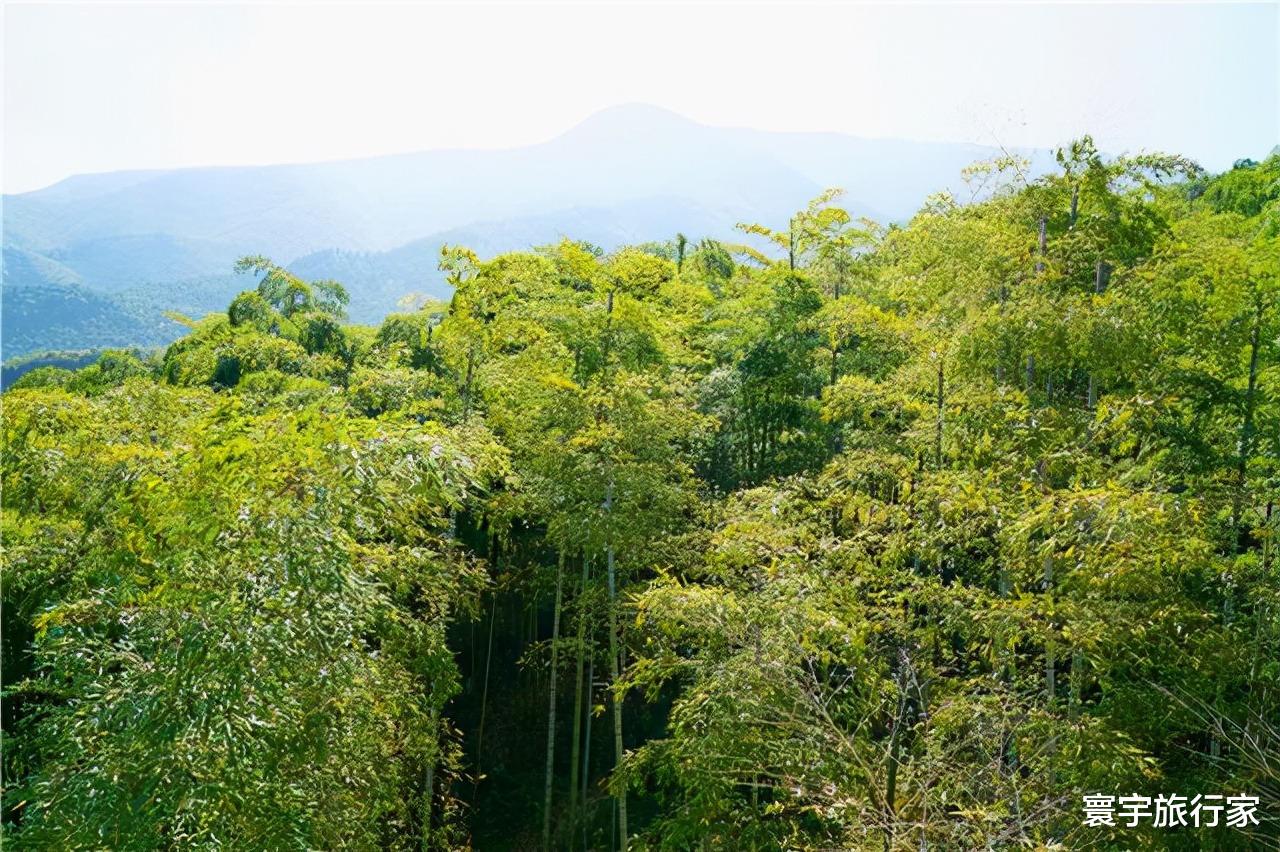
(845, 536)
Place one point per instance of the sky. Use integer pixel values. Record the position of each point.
(103, 87)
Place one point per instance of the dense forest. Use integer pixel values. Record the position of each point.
(846, 536)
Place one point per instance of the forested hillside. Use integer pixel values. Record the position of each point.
(97, 260)
(845, 536)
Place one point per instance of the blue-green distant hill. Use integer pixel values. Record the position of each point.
(95, 260)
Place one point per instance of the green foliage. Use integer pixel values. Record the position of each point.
(1250, 189)
(872, 538)
(244, 644)
(289, 294)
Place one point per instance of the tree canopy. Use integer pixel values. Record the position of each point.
(848, 536)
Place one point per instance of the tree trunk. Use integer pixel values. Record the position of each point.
(895, 753)
(586, 736)
(616, 699)
(614, 675)
(1076, 684)
(1050, 661)
(1244, 449)
(1008, 665)
(1244, 446)
(430, 782)
(1101, 273)
(488, 660)
(577, 699)
(484, 696)
(551, 709)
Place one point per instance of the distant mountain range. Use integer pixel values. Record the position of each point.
(95, 260)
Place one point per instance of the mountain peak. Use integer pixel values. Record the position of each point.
(626, 120)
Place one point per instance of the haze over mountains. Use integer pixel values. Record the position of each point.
(95, 260)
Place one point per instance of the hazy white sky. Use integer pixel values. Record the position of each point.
(103, 87)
